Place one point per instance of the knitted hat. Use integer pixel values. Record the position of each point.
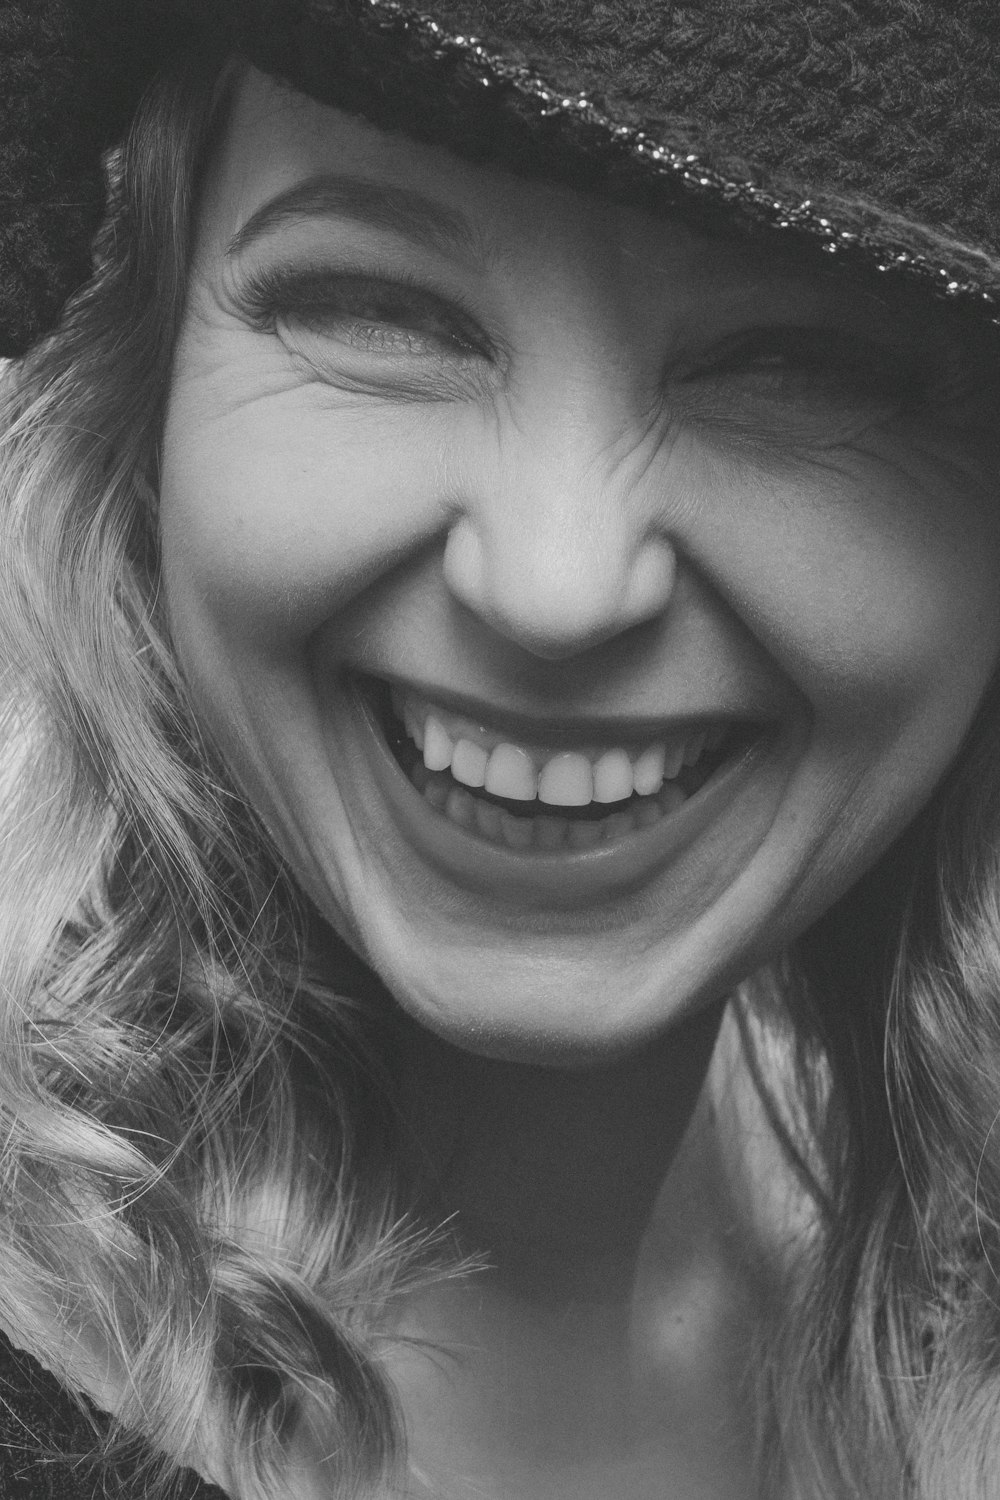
(869, 129)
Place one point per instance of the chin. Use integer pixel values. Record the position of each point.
(552, 1002)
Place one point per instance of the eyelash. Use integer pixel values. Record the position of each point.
(822, 357)
(781, 363)
(317, 296)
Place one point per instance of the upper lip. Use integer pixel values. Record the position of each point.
(569, 730)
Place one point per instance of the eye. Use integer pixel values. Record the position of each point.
(359, 325)
(823, 386)
(784, 375)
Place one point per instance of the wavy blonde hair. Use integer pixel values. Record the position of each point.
(198, 1139)
(881, 1374)
(194, 1177)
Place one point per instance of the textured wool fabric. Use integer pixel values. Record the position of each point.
(51, 194)
(899, 102)
(896, 102)
(45, 1438)
(893, 107)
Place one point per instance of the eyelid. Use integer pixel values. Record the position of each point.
(259, 292)
(791, 339)
(894, 372)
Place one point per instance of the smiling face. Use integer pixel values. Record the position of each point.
(583, 602)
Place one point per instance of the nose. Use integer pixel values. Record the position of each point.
(559, 555)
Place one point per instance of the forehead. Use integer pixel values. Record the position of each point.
(289, 172)
(277, 140)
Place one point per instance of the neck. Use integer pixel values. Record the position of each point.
(551, 1174)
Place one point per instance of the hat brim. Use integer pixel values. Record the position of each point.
(825, 125)
(757, 120)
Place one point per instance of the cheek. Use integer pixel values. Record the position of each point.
(274, 515)
(877, 589)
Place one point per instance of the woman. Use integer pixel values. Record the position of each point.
(465, 522)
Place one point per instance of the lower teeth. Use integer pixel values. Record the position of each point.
(546, 832)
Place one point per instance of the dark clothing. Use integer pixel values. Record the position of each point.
(45, 1437)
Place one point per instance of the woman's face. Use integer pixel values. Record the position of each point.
(687, 562)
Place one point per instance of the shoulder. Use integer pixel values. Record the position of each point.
(46, 1436)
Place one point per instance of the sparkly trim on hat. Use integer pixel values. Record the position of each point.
(840, 228)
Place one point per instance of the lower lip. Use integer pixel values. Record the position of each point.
(567, 878)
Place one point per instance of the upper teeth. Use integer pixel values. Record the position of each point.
(478, 757)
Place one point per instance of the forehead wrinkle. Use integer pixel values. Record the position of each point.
(336, 195)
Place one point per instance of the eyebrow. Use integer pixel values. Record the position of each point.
(331, 195)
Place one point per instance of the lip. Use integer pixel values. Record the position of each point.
(571, 878)
(568, 732)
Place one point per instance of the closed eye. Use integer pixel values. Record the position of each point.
(813, 363)
(820, 385)
(373, 315)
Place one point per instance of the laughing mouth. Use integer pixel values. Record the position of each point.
(526, 796)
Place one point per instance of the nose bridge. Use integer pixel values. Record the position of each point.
(557, 548)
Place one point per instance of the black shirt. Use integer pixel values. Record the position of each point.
(45, 1436)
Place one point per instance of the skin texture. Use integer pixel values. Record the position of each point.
(611, 470)
(572, 526)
